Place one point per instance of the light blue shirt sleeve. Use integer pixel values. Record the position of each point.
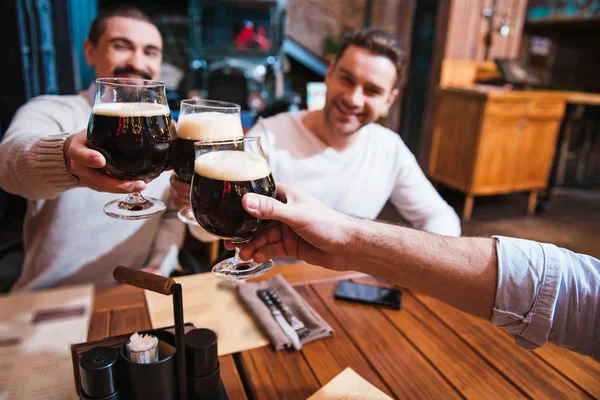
(548, 294)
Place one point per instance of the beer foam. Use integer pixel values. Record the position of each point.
(231, 165)
(131, 109)
(209, 126)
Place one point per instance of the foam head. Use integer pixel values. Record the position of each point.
(231, 165)
(131, 109)
(209, 126)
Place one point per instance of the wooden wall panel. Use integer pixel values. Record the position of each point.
(353, 11)
(460, 33)
(467, 29)
(308, 24)
(517, 24)
(464, 29)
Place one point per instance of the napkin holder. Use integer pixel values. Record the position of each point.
(169, 374)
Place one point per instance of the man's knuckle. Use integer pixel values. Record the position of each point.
(267, 206)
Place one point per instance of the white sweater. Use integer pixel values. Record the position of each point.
(359, 180)
(68, 239)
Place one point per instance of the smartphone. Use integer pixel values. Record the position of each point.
(368, 294)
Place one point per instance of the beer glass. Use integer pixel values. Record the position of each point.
(203, 120)
(224, 171)
(131, 126)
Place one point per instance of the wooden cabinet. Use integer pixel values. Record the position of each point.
(494, 142)
(537, 147)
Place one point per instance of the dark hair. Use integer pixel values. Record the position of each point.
(377, 41)
(99, 23)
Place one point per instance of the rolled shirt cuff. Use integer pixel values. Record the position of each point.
(529, 277)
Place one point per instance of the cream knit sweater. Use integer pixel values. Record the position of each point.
(68, 239)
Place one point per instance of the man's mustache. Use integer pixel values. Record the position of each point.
(130, 70)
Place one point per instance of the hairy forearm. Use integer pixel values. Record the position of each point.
(459, 271)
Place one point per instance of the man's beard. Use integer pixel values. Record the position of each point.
(130, 70)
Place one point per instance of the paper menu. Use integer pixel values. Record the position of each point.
(36, 331)
(348, 385)
(209, 302)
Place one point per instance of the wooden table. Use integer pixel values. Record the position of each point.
(425, 350)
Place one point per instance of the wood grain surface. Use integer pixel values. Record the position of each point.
(425, 350)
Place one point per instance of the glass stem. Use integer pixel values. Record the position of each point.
(134, 198)
(236, 257)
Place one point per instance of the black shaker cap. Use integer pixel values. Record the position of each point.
(201, 352)
(98, 370)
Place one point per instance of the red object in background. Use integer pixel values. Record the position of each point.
(245, 37)
(261, 39)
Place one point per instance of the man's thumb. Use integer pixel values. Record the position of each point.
(264, 207)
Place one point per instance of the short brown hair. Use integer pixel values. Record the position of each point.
(99, 23)
(377, 41)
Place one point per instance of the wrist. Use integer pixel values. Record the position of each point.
(66, 147)
(374, 245)
(359, 245)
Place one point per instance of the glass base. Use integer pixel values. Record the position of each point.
(135, 206)
(234, 270)
(186, 215)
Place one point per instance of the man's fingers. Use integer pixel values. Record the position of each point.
(85, 162)
(270, 236)
(180, 201)
(269, 252)
(179, 185)
(288, 194)
(102, 183)
(84, 156)
(185, 197)
(180, 192)
(180, 204)
(284, 193)
(264, 207)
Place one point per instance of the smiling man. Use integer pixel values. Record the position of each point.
(44, 158)
(341, 156)
(118, 47)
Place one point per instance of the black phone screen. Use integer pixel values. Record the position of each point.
(368, 294)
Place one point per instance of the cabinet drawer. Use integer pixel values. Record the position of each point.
(553, 109)
(514, 108)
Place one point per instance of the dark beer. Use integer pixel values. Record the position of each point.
(183, 159)
(135, 138)
(220, 181)
(201, 126)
